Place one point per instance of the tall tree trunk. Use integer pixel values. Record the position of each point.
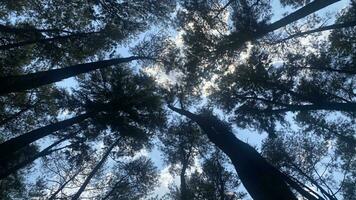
(306, 10)
(236, 40)
(183, 183)
(220, 181)
(48, 150)
(45, 40)
(93, 172)
(29, 81)
(262, 180)
(15, 144)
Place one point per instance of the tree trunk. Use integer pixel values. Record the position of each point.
(15, 144)
(183, 183)
(45, 40)
(220, 181)
(29, 81)
(262, 180)
(236, 40)
(306, 10)
(48, 150)
(93, 172)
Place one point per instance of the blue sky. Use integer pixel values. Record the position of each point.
(248, 136)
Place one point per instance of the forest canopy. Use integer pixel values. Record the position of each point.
(178, 99)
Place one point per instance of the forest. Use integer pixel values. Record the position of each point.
(177, 99)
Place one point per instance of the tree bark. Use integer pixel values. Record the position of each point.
(15, 144)
(236, 40)
(306, 10)
(262, 180)
(29, 81)
(183, 184)
(93, 172)
(220, 182)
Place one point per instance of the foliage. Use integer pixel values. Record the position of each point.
(221, 59)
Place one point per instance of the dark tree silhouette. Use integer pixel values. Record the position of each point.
(214, 181)
(29, 81)
(261, 179)
(125, 86)
(292, 78)
(182, 143)
(95, 170)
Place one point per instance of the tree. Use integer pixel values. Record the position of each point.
(10, 168)
(214, 181)
(114, 22)
(30, 81)
(256, 29)
(230, 67)
(260, 98)
(252, 169)
(182, 143)
(304, 159)
(134, 180)
(95, 170)
(146, 111)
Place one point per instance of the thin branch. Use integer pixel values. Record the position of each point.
(223, 8)
(320, 29)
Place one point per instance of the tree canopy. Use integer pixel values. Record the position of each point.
(178, 99)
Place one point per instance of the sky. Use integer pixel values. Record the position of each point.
(251, 137)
